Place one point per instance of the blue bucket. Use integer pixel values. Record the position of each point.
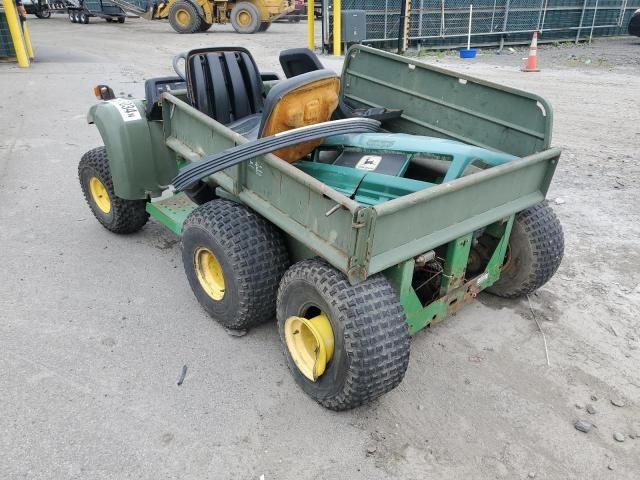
(468, 53)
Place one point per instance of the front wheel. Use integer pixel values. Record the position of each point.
(245, 18)
(535, 251)
(344, 344)
(115, 214)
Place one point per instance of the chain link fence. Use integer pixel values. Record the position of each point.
(444, 23)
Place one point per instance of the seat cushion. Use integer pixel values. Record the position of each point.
(248, 127)
(305, 99)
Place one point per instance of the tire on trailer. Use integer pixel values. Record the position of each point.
(72, 16)
(536, 248)
(184, 17)
(83, 18)
(44, 13)
(245, 18)
(344, 344)
(115, 214)
(234, 260)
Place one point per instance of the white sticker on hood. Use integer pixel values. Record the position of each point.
(368, 162)
(127, 109)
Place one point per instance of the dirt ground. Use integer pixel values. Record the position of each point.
(95, 328)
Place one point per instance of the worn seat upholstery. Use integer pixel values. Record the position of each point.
(225, 84)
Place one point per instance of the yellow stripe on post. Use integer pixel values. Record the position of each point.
(311, 34)
(16, 32)
(27, 40)
(337, 25)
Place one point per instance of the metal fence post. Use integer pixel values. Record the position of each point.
(311, 34)
(584, 7)
(337, 27)
(593, 22)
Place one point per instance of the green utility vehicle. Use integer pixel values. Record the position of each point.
(356, 209)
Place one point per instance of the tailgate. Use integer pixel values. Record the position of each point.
(441, 103)
(411, 225)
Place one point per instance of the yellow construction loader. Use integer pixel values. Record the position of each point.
(192, 16)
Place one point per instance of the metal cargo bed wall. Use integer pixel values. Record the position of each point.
(443, 23)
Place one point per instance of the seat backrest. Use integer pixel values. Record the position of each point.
(296, 61)
(224, 83)
(303, 100)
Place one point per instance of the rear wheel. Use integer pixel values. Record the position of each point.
(536, 248)
(83, 18)
(121, 19)
(234, 260)
(184, 17)
(114, 213)
(109, 20)
(245, 18)
(72, 16)
(344, 344)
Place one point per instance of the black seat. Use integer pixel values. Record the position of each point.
(296, 61)
(225, 84)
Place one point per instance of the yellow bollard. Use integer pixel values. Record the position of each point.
(27, 40)
(337, 25)
(16, 33)
(311, 18)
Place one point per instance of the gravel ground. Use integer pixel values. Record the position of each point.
(95, 328)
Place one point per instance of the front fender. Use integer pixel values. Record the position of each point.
(141, 163)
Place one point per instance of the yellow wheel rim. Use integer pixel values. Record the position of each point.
(310, 343)
(244, 18)
(99, 195)
(183, 17)
(209, 273)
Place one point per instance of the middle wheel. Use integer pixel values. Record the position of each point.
(234, 260)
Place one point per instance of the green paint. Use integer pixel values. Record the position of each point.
(172, 212)
(140, 162)
(455, 264)
(454, 290)
(497, 258)
(441, 103)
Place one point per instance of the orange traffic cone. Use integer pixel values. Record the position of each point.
(532, 60)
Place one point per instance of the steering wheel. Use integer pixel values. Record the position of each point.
(176, 64)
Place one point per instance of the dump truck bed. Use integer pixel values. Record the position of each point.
(360, 240)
